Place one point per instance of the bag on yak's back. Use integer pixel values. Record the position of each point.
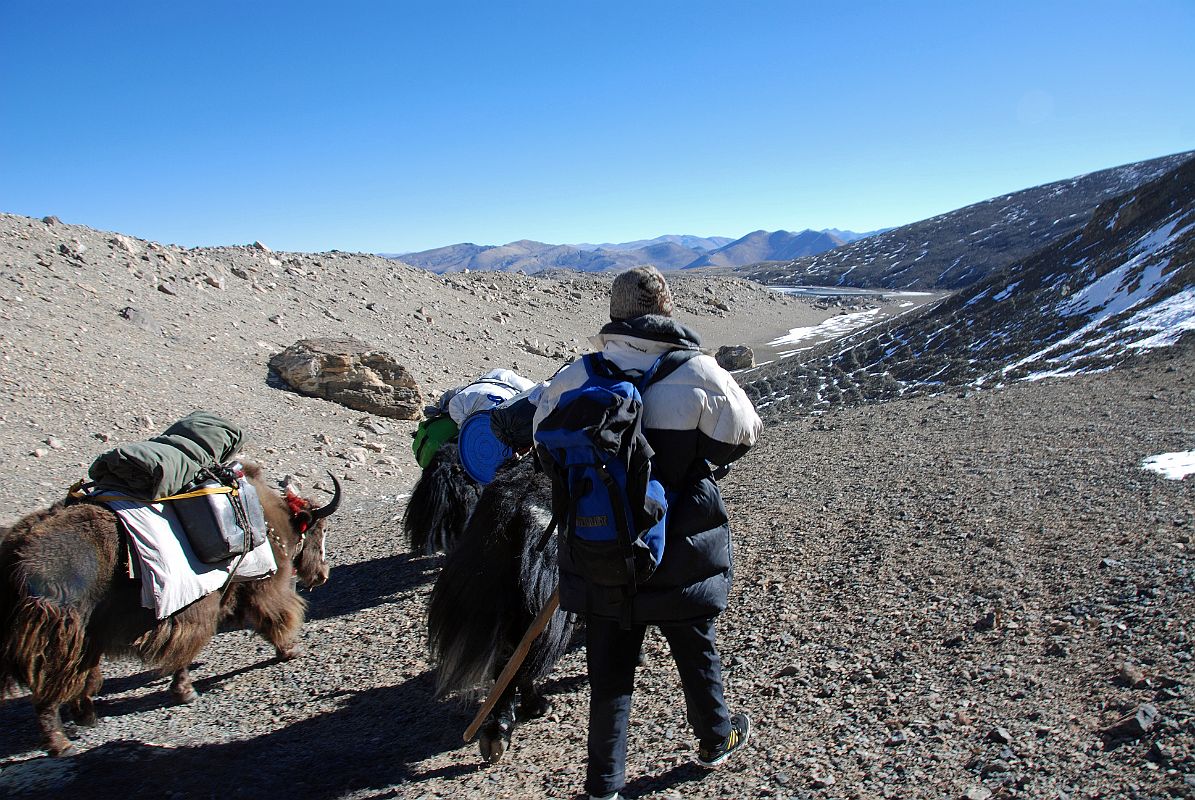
(608, 508)
(431, 434)
(221, 516)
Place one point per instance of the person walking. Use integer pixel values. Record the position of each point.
(698, 421)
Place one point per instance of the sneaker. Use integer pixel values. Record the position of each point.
(615, 796)
(740, 732)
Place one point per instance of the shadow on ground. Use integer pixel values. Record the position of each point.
(353, 587)
(372, 741)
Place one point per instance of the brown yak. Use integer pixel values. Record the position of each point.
(66, 601)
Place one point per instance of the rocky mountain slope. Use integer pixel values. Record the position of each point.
(1092, 300)
(963, 247)
(972, 594)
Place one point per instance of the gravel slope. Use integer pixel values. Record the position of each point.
(933, 597)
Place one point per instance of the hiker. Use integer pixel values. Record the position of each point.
(697, 420)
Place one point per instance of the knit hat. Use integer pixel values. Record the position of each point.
(639, 291)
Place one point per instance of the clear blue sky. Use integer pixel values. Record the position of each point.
(399, 126)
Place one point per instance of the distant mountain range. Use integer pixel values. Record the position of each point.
(1122, 284)
(962, 247)
(666, 252)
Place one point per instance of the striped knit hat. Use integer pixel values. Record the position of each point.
(639, 291)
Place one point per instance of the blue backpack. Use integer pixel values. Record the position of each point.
(608, 508)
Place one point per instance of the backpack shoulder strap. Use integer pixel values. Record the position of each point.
(665, 365)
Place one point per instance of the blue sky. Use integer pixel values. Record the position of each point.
(400, 126)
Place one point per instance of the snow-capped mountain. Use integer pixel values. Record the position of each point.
(1121, 285)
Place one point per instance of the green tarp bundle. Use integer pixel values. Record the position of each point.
(165, 464)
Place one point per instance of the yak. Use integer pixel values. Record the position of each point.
(440, 503)
(494, 581)
(66, 601)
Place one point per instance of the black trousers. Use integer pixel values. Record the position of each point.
(612, 654)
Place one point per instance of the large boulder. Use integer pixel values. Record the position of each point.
(732, 357)
(350, 372)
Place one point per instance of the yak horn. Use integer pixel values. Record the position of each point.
(330, 508)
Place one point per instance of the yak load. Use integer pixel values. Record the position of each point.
(82, 579)
(459, 445)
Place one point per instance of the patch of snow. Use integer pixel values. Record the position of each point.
(976, 298)
(1110, 293)
(1173, 466)
(1007, 291)
(1171, 317)
(831, 328)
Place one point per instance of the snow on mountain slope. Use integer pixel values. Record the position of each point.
(1123, 284)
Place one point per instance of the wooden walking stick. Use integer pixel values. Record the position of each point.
(516, 661)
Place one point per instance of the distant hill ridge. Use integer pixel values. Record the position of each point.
(672, 252)
(964, 246)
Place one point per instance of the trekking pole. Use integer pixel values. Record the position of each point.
(516, 661)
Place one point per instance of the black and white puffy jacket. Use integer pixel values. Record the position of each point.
(695, 417)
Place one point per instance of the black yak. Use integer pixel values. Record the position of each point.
(440, 504)
(66, 601)
(493, 583)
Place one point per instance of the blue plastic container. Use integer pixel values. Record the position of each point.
(481, 452)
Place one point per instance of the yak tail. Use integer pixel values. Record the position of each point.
(493, 584)
(440, 504)
(44, 648)
(464, 618)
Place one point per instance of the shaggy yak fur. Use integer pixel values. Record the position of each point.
(493, 584)
(440, 504)
(66, 601)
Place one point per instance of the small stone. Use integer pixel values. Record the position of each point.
(126, 244)
(144, 422)
(261, 247)
(51, 220)
(986, 622)
(139, 318)
(819, 780)
(167, 287)
(376, 447)
(55, 444)
(356, 455)
(375, 426)
(1134, 725)
(73, 249)
(977, 793)
(999, 735)
(1131, 675)
(40, 452)
(214, 280)
(732, 357)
